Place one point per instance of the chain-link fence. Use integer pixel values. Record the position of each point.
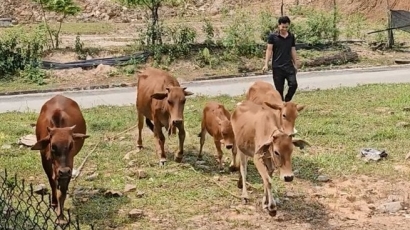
(22, 209)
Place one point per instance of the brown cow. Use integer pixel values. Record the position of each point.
(261, 91)
(216, 120)
(161, 99)
(258, 135)
(60, 132)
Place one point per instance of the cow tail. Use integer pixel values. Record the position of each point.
(149, 124)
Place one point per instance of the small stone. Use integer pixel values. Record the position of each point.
(6, 146)
(112, 193)
(200, 162)
(323, 178)
(75, 173)
(136, 213)
(130, 188)
(91, 177)
(141, 174)
(403, 124)
(390, 207)
(41, 189)
(140, 194)
(290, 194)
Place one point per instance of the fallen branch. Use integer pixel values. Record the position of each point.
(336, 59)
(85, 159)
(247, 183)
(125, 131)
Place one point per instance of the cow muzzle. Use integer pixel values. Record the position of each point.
(64, 173)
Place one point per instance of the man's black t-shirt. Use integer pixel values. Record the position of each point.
(282, 47)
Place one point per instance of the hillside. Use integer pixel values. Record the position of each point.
(25, 11)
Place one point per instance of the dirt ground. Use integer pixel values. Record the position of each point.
(348, 203)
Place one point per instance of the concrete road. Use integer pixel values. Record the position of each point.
(233, 87)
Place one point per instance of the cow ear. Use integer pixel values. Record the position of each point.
(187, 93)
(300, 107)
(276, 106)
(80, 136)
(265, 145)
(41, 144)
(160, 95)
(301, 144)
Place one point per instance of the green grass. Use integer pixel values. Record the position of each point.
(337, 123)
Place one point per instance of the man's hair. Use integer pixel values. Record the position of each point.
(283, 20)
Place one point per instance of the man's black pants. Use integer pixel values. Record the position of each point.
(279, 76)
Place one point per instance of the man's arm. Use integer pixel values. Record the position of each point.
(269, 49)
(293, 51)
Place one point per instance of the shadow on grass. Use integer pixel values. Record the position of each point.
(305, 168)
(99, 210)
(305, 211)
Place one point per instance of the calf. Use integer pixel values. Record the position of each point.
(261, 91)
(216, 120)
(60, 132)
(161, 99)
(258, 135)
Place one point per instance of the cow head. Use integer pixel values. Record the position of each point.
(60, 142)
(225, 128)
(280, 147)
(289, 111)
(175, 100)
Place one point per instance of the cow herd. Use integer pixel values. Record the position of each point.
(262, 127)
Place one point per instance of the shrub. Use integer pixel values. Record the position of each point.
(20, 50)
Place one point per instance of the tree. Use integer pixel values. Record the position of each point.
(154, 34)
(64, 8)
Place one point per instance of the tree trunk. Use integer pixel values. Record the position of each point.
(336, 59)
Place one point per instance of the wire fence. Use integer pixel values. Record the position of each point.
(22, 209)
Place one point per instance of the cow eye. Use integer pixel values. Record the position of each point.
(183, 101)
(170, 102)
(277, 153)
(284, 115)
(54, 150)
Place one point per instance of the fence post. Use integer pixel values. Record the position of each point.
(390, 35)
(281, 9)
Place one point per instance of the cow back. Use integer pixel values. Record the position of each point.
(59, 112)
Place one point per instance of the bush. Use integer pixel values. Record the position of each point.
(319, 27)
(240, 37)
(20, 50)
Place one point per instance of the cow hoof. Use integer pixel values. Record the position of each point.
(178, 159)
(162, 162)
(272, 213)
(233, 168)
(61, 221)
(239, 184)
(139, 148)
(245, 200)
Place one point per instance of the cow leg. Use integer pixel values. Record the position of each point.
(140, 126)
(268, 201)
(48, 169)
(243, 160)
(160, 142)
(219, 152)
(61, 195)
(181, 139)
(201, 136)
(233, 166)
(269, 165)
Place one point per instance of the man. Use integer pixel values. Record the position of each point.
(282, 45)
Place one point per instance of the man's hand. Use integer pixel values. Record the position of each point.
(265, 68)
(296, 68)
